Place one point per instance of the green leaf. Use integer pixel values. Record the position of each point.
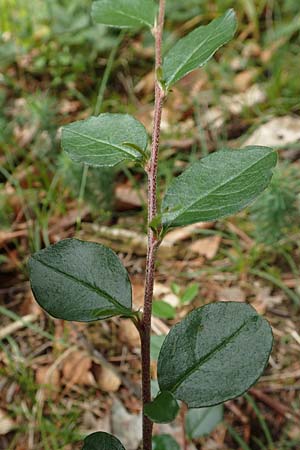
(175, 288)
(106, 140)
(80, 281)
(163, 409)
(163, 310)
(156, 343)
(190, 293)
(124, 13)
(217, 186)
(215, 354)
(102, 441)
(202, 421)
(164, 442)
(195, 49)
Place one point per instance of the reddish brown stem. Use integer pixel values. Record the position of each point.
(153, 242)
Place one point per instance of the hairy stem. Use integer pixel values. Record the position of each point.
(153, 241)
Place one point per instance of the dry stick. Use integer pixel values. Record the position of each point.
(153, 242)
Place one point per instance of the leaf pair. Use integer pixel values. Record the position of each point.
(83, 281)
(215, 354)
(217, 186)
(189, 53)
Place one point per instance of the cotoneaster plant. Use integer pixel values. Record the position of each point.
(219, 350)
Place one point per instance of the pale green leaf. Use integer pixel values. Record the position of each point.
(156, 343)
(125, 13)
(80, 281)
(163, 310)
(202, 421)
(215, 354)
(105, 140)
(218, 185)
(189, 294)
(195, 49)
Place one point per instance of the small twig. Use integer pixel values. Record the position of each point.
(274, 404)
(15, 326)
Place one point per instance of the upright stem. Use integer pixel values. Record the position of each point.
(153, 241)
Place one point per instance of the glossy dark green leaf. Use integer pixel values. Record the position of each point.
(202, 421)
(163, 409)
(124, 13)
(195, 49)
(80, 281)
(216, 353)
(105, 140)
(163, 310)
(217, 186)
(102, 441)
(164, 442)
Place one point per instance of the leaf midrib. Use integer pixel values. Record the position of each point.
(100, 141)
(139, 19)
(192, 54)
(98, 291)
(229, 180)
(209, 356)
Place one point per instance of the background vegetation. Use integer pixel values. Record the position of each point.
(57, 67)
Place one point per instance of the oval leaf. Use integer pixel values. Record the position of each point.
(164, 442)
(102, 441)
(195, 49)
(80, 281)
(105, 140)
(163, 409)
(124, 13)
(216, 353)
(218, 185)
(202, 421)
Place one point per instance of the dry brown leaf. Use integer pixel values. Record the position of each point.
(7, 236)
(129, 335)
(6, 423)
(24, 135)
(245, 79)
(29, 305)
(137, 293)
(125, 426)
(77, 369)
(49, 378)
(264, 300)
(171, 299)
(146, 84)
(107, 379)
(69, 106)
(234, 104)
(127, 198)
(279, 131)
(91, 424)
(207, 247)
(231, 294)
(181, 234)
(160, 289)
